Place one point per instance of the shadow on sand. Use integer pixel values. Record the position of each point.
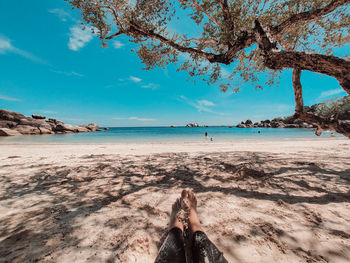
(63, 194)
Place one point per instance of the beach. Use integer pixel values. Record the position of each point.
(258, 200)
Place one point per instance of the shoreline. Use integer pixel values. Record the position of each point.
(220, 140)
(142, 148)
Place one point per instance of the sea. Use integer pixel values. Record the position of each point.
(172, 134)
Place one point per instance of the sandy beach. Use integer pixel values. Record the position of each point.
(259, 201)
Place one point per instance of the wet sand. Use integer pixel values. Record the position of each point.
(259, 201)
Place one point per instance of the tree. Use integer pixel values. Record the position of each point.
(252, 36)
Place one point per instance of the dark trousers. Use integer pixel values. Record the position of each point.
(203, 250)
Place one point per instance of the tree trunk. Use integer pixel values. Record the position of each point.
(322, 123)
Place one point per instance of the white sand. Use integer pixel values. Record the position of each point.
(259, 201)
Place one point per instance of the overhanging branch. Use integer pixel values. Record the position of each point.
(276, 59)
(308, 16)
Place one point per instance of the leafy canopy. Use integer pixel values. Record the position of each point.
(225, 34)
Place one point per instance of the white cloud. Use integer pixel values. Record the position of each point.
(63, 15)
(7, 47)
(7, 98)
(152, 86)
(78, 37)
(68, 73)
(135, 79)
(134, 119)
(205, 102)
(141, 119)
(117, 44)
(329, 93)
(200, 105)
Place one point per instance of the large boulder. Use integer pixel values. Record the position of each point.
(39, 117)
(344, 115)
(297, 121)
(241, 126)
(192, 125)
(276, 124)
(27, 130)
(35, 123)
(62, 127)
(52, 120)
(292, 126)
(345, 124)
(248, 122)
(7, 124)
(8, 132)
(8, 115)
(92, 126)
(280, 125)
(45, 131)
(82, 129)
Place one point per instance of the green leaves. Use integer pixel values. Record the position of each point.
(214, 32)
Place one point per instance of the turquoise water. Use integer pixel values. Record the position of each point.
(169, 134)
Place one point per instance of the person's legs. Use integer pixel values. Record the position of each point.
(203, 250)
(173, 248)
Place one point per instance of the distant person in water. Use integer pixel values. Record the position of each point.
(173, 247)
(211, 139)
(206, 134)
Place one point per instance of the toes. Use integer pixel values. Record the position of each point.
(191, 194)
(176, 204)
(192, 197)
(184, 193)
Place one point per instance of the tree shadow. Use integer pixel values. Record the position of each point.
(73, 192)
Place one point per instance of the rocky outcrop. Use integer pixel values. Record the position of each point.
(39, 117)
(289, 122)
(192, 125)
(8, 132)
(27, 130)
(14, 123)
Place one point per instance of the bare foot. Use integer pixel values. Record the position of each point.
(174, 217)
(191, 202)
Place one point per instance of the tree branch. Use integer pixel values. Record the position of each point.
(329, 65)
(340, 126)
(135, 30)
(115, 34)
(308, 16)
(277, 60)
(212, 19)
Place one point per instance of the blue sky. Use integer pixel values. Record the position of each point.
(49, 66)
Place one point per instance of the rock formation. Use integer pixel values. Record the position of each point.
(289, 122)
(14, 123)
(192, 125)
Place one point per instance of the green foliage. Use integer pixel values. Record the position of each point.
(338, 108)
(150, 25)
(277, 119)
(289, 119)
